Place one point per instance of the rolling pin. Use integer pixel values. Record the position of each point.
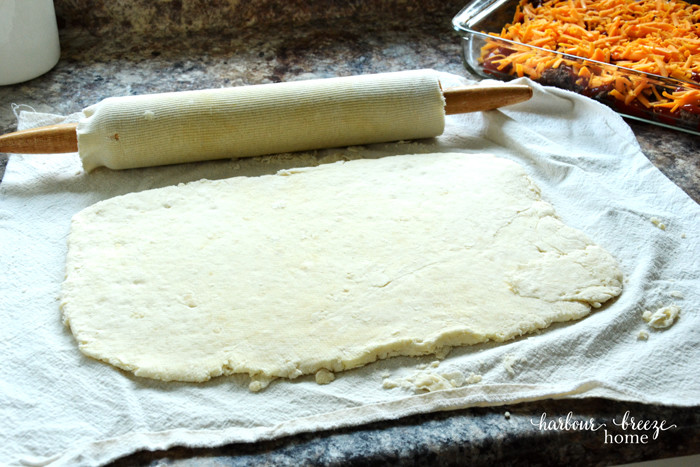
(245, 121)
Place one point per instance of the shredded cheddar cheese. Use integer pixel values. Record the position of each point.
(657, 37)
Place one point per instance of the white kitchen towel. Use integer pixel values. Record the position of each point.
(63, 408)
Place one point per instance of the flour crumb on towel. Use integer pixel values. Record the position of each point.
(643, 336)
(658, 223)
(662, 318)
(509, 361)
(426, 379)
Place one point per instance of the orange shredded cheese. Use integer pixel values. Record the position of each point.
(657, 37)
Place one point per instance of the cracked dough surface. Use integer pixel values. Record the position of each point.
(325, 268)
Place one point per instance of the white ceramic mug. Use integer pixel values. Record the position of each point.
(29, 44)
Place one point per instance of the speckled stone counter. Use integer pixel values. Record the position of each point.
(138, 46)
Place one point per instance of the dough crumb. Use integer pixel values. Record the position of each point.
(509, 361)
(507, 415)
(662, 318)
(443, 352)
(425, 366)
(149, 115)
(676, 294)
(324, 376)
(430, 381)
(473, 378)
(389, 383)
(658, 223)
(258, 384)
(643, 336)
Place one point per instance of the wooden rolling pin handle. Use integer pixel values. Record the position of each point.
(43, 140)
(479, 98)
(62, 137)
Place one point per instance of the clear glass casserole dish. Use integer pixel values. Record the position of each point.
(633, 94)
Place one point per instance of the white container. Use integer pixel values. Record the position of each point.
(29, 44)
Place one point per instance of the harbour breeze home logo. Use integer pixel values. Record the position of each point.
(629, 430)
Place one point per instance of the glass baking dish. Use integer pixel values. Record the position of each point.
(481, 17)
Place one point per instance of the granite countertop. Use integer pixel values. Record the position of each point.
(137, 46)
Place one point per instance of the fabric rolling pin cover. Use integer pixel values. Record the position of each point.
(247, 121)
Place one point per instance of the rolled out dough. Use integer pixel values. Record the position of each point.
(325, 268)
